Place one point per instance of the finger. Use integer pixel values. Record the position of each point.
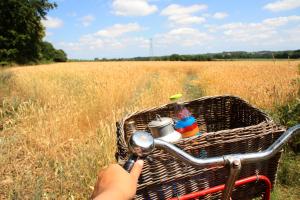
(137, 169)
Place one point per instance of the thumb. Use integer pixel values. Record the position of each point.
(137, 170)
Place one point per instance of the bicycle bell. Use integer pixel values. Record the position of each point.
(162, 128)
(141, 143)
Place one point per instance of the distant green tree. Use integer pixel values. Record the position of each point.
(21, 30)
(295, 54)
(49, 53)
(60, 56)
(282, 55)
(175, 57)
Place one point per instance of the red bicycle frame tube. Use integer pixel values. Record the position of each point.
(238, 183)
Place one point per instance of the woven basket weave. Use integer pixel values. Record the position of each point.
(232, 126)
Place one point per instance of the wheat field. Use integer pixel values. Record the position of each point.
(57, 125)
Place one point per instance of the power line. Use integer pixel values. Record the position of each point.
(151, 49)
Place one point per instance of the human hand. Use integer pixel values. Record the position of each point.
(116, 183)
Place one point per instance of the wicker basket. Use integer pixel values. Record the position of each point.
(233, 126)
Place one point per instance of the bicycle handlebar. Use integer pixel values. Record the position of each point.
(142, 143)
(222, 160)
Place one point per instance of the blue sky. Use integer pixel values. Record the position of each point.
(86, 29)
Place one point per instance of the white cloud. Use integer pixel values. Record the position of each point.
(186, 19)
(293, 35)
(90, 42)
(280, 21)
(136, 41)
(220, 15)
(282, 5)
(175, 9)
(247, 32)
(267, 30)
(52, 22)
(109, 38)
(70, 46)
(133, 7)
(118, 30)
(87, 20)
(94, 42)
(183, 15)
(182, 37)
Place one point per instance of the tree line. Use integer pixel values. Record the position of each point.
(216, 56)
(22, 33)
